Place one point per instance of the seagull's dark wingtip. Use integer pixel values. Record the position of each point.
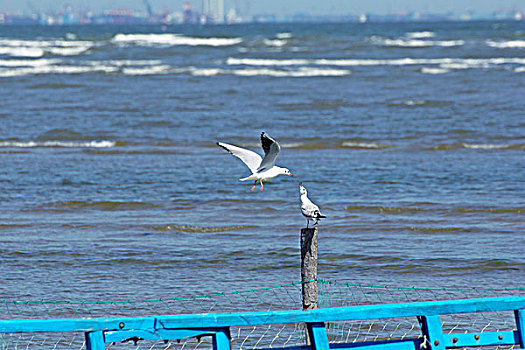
(222, 146)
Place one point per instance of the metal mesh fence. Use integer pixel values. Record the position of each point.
(283, 297)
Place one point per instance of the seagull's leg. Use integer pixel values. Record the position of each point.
(253, 188)
(261, 184)
(307, 222)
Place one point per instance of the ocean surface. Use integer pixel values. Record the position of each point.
(409, 136)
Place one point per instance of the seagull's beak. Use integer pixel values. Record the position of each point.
(290, 174)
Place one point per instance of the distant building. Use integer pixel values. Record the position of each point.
(187, 13)
(213, 11)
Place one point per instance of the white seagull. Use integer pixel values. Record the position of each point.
(261, 168)
(309, 209)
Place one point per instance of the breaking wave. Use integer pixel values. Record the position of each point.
(511, 44)
(301, 72)
(284, 35)
(414, 42)
(420, 35)
(431, 70)
(158, 69)
(363, 145)
(38, 48)
(478, 146)
(28, 63)
(250, 72)
(172, 40)
(22, 51)
(55, 69)
(297, 67)
(275, 42)
(406, 61)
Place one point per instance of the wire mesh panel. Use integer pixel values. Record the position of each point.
(37, 341)
(336, 294)
(373, 330)
(283, 297)
(138, 344)
(286, 296)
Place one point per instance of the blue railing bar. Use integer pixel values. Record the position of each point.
(519, 315)
(460, 340)
(318, 336)
(432, 330)
(364, 312)
(95, 341)
(222, 340)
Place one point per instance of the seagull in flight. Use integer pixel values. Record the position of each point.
(261, 168)
(309, 209)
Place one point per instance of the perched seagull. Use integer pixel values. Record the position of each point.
(261, 168)
(308, 209)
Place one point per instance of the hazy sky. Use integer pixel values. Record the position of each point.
(282, 6)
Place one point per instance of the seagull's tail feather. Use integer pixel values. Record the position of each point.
(318, 215)
(248, 178)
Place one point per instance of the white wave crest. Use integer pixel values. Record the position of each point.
(38, 48)
(366, 145)
(511, 44)
(172, 40)
(519, 69)
(267, 62)
(301, 72)
(292, 144)
(414, 102)
(431, 70)
(420, 35)
(22, 51)
(66, 144)
(44, 43)
(484, 146)
(416, 42)
(54, 69)
(285, 35)
(67, 51)
(123, 63)
(207, 72)
(251, 72)
(28, 63)
(151, 70)
(471, 62)
(275, 42)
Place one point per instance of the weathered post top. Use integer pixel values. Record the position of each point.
(309, 267)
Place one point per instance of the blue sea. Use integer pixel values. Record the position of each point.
(409, 136)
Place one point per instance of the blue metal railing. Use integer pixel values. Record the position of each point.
(170, 327)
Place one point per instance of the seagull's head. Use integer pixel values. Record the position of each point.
(302, 190)
(287, 172)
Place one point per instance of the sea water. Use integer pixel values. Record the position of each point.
(409, 136)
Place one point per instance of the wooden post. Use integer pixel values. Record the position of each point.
(309, 267)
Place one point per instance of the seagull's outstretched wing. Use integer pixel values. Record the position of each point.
(250, 158)
(271, 151)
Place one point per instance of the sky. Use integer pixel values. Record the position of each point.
(281, 7)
